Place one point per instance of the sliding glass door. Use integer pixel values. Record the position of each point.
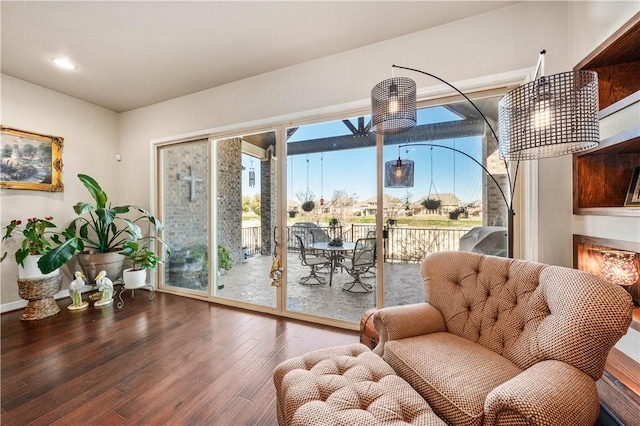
(331, 179)
(244, 217)
(185, 207)
(353, 229)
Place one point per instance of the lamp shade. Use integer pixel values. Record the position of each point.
(398, 174)
(619, 268)
(551, 116)
(393, 106)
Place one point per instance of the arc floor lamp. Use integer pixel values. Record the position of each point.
(547, 117)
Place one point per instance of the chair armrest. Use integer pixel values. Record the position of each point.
(399, 322)
(547, 393)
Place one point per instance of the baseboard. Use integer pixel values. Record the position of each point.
(20, 304)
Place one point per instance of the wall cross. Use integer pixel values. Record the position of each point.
(192, 179)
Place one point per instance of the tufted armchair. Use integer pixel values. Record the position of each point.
(505, 342)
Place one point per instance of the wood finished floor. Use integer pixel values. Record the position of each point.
(173, 361)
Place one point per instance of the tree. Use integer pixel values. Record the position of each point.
(304, 196)
(460, 211)
(251, 204)
(342, 202)
(341, 199)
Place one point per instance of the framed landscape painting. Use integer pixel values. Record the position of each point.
(633, 194)
(30, 160)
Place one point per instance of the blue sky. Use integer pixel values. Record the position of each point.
(354, 171)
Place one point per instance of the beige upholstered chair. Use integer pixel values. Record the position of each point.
(503, 341)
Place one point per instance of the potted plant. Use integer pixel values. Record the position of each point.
(38, 237)
(98, 234)
(142, 259)
(224, 258)
(224, 262)
(431, 204)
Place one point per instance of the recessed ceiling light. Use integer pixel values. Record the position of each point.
(64, 63)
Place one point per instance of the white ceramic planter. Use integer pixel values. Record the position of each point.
(134, 279)
(31, 270)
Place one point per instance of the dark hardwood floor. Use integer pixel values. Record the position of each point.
(172, 361)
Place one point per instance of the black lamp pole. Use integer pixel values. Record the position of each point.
(508, 202)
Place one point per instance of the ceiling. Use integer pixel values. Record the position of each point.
(131, 54)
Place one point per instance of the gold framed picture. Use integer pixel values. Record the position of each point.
(633, 193)
(30, 160)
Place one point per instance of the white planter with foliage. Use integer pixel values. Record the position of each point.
(134, 278)
(30, 269)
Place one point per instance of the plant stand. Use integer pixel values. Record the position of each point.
(152, 294)
(39, 292)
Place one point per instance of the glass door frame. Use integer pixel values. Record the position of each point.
(280, 127)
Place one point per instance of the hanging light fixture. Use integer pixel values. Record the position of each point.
(252, 176)
(554, 115)
(393, 102)
(550, 116)
(398, 173)
(619, 268)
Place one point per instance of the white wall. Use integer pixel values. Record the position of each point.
(497, 42)
(90, 138)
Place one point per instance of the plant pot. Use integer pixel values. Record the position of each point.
(31, 270)
(39, 292)
(92, 263)
(134, 278)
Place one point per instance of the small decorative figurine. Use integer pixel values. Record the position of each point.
(105, 286)
(74, 292)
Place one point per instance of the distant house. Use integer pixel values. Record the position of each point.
(474, 208)
(392, 206)
(448, 203)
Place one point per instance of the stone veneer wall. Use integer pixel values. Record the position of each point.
(185, 220)
(494, 210)
(268, 205)
(229, 185)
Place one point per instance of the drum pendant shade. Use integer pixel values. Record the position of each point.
(551, 116)
(393, 106)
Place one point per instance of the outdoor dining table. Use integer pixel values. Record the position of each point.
(334, 252)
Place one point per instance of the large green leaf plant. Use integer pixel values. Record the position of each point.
(99, 227)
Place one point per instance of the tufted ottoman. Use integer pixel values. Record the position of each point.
(346, 385)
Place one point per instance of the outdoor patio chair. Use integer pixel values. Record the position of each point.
(363, 259)
(319, 235)
(313, 261)
(371, 273)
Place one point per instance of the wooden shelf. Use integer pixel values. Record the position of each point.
(601, 176)
(617, 63)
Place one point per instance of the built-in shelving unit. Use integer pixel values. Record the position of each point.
(601, 176)
(619, 387)
(601, 181)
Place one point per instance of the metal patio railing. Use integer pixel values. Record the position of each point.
(401, 244)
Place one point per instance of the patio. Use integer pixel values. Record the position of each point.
(250, 282)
